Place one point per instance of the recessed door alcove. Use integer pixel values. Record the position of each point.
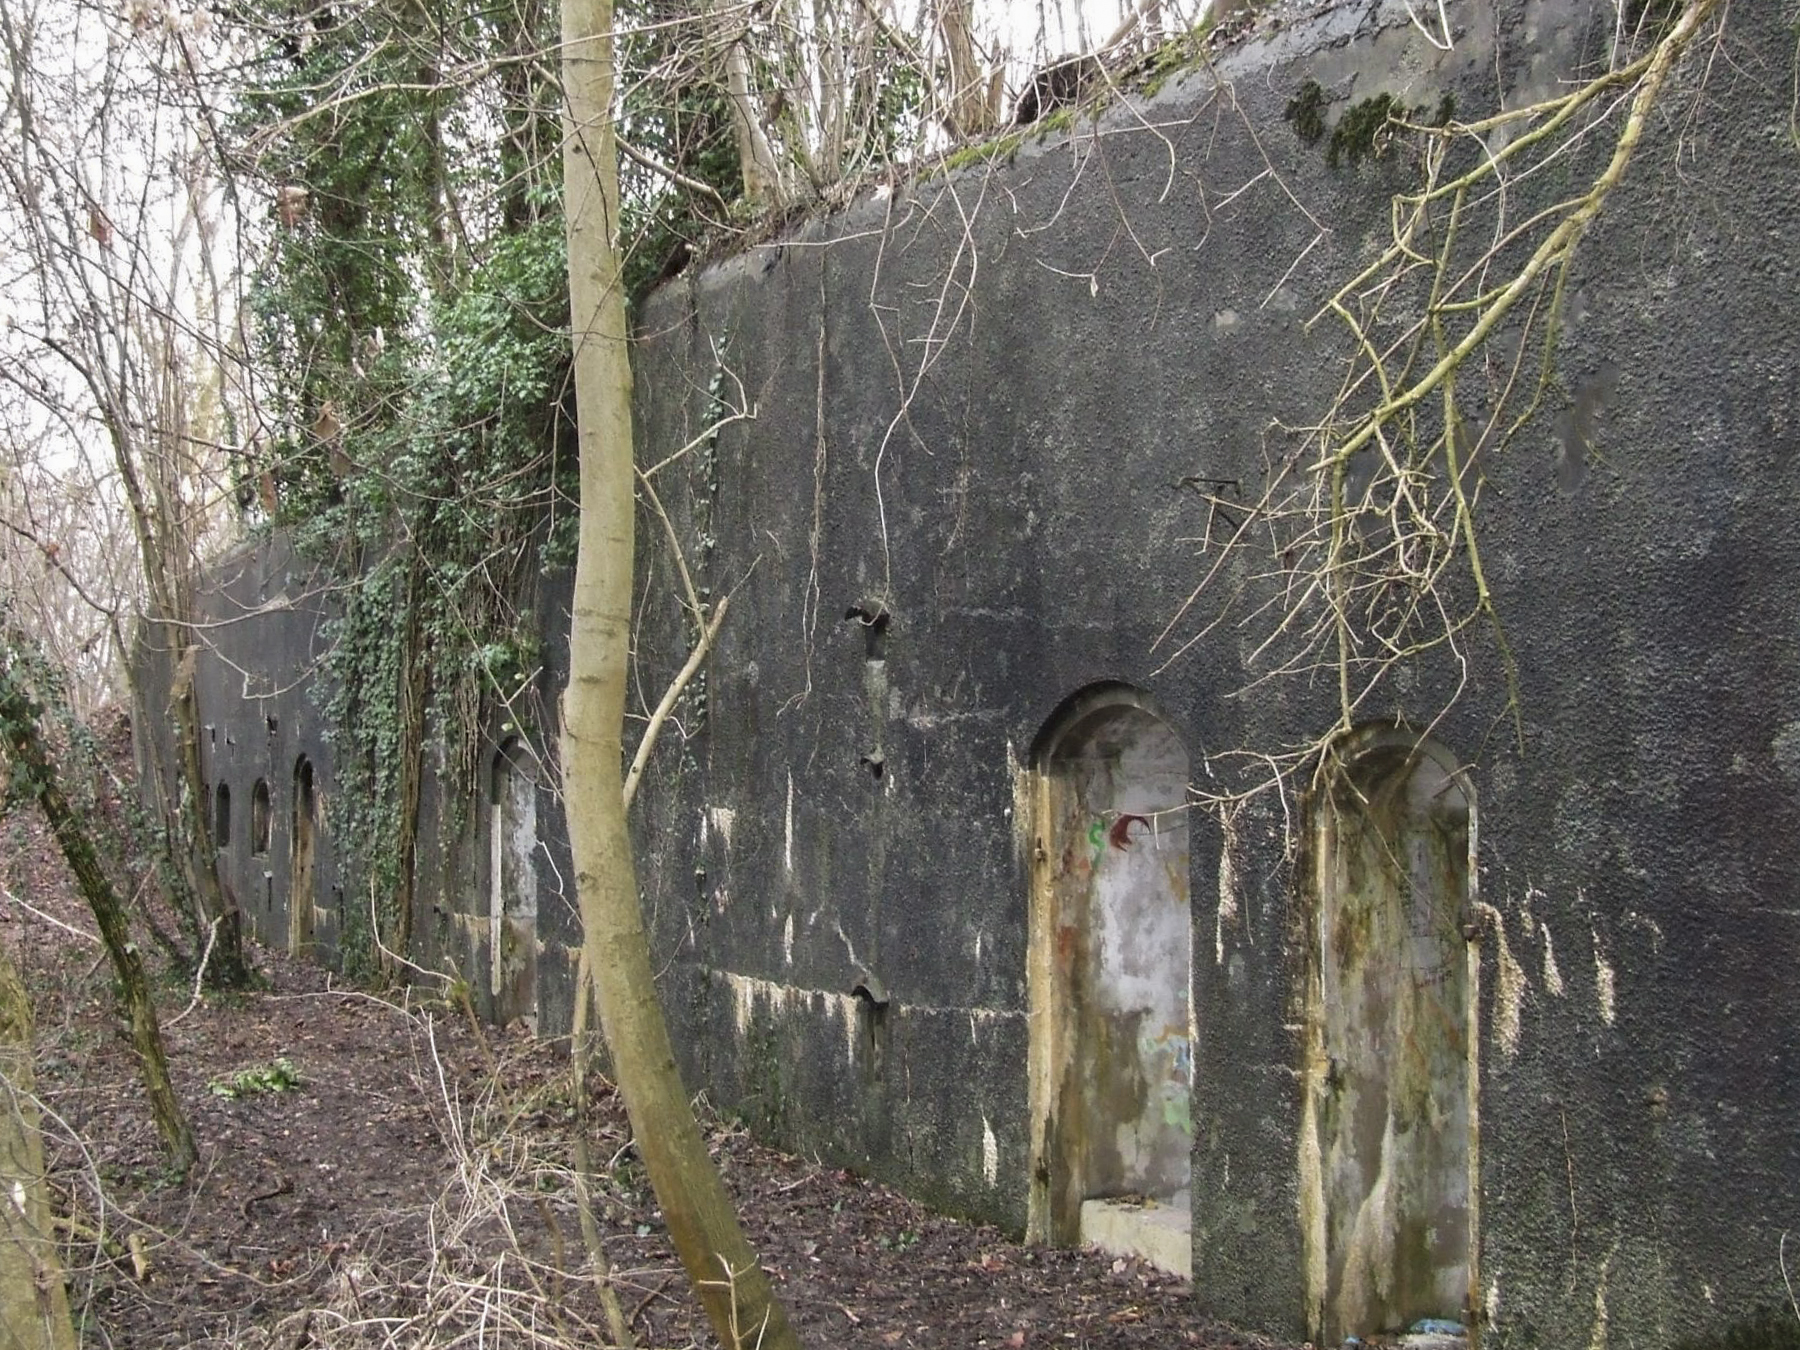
(260, 830)
(302, 885)
(512, 885)
(222, 817)
(1111, 1072)
(1388, 1148)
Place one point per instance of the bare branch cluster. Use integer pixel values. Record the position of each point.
(1360, 562)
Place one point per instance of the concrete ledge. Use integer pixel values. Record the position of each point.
(1161, 1234)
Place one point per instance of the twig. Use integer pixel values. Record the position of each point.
(212, 936)
(35, 912)
(670, 696)
(675, 176)
(1781, 1256)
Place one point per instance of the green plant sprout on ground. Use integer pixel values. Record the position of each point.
(279, 1075)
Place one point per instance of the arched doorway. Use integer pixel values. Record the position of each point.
(1111, 1035)
(1388, 1163)
(259, 818)
(512, 884)
(302, 886)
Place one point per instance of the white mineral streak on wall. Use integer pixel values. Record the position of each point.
(787, 940)
(750, 992)
(787, 849)
(1553, 980)
(1228, 887)
(978, 1017)
(743, 1005)
(1597, 1341)
(1226, 900)
(1312, 1215)
(846, 1011)
(1603, 983)
(1509, 992)
(722, 819)
(1528, 909)
(990, 1153)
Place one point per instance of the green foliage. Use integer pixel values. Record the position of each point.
(685, 123)
(413, 307)
(34, 690)
(1184, 52)
(279, 1075)
(999, 150)
(1362, 131)
(444, 501)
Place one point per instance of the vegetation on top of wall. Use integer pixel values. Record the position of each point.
(414, 313)
(434, 504)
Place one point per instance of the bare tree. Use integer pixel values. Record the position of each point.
(122, 333)
(719, 1262)
(29, 688)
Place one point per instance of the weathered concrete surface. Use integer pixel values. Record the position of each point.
(1389, 1140)
(1109, 968)
(981, 408)
(976, 406)
(1152, 1232)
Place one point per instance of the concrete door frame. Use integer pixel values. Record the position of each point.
(1056, 1182)
(1407, 749)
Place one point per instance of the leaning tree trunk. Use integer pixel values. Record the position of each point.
(227, 968)
(719, 1262)
(25, 747)
(34, 1306)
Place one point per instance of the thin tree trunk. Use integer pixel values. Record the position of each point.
(227, 969)
(720, 1265)
(756, 158)
(25, 747)
(970, 111)
(34, 1306)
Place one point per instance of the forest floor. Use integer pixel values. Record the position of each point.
(378, 1171)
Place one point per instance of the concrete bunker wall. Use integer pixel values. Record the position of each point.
(1079, 336)
(985, 408)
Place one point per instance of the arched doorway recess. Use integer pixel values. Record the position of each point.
(1388, 1150)
(1109, 974)
(302, 867)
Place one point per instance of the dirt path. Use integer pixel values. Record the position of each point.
(413, 1188)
